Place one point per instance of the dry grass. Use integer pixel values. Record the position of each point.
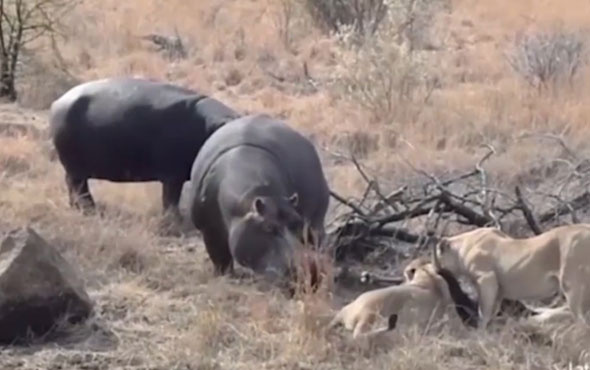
(157, 303)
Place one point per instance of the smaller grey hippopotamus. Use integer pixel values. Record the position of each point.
(254, 184)
(131, 130)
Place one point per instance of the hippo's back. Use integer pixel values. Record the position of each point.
(115, 101)
(130, 129)
(295, 155)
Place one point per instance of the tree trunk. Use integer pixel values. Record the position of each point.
(7, 86)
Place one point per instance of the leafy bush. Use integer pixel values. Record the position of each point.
(382, 81)
(384, 74)
(544, 59)
(363, 15)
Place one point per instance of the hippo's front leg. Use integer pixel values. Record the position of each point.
(218, 249)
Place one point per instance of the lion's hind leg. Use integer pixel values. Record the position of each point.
(362, 324)
(578, 299)
(575, 281)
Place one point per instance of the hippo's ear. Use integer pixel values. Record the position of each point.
(258, 206)
(294, 199)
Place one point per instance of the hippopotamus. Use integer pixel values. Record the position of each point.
(255, 186)
(132, 130)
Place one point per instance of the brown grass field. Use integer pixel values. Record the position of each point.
(158, 305)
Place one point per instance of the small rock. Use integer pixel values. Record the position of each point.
(37, 287)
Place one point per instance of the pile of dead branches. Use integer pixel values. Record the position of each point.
(374, 220)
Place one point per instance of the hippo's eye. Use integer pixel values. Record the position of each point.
(271, 229)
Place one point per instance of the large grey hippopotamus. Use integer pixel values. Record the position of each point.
(254, 184)
(132, 130)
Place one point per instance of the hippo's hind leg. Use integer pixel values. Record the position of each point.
(218, 250)
(171, 192)
(172, 221)
(79, 193)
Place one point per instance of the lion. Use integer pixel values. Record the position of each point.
(467, 308)
(535, 268)
(426, 295)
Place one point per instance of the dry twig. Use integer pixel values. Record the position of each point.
(462, 199)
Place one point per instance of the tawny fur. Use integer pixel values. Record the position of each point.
(411, 267)
(466, 308)
(533, 268)
(426, 295)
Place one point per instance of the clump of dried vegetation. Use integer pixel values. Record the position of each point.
(397, 95)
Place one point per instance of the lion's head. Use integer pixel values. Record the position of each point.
(445, 257)
(410, 269)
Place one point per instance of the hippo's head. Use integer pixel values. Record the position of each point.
(266, 238)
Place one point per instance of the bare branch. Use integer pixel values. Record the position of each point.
(429, 231)
(559, 140)
(571, 209)
(485, 200)
(172, 46)
(347, 203)
(577, 203)
(446, 197)
(7, 19)
(437, 199)
(528, 214)
(419, 210)
(473, 217)
(389, 200)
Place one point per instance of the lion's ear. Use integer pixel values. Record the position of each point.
(437, 250)
(443, 245)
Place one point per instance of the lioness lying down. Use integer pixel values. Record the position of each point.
(521, 269)
(426, 295)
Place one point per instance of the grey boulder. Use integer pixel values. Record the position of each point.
(38, 288)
